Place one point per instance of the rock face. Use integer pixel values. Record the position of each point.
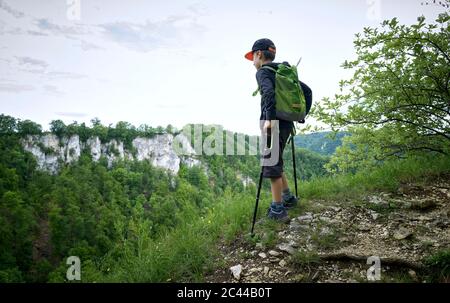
(50, 151)
(159, 150)
(95, 146)
(246, 181)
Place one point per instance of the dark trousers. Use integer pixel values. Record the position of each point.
(275, 171)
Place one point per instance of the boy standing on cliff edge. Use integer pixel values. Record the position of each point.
(263, 54)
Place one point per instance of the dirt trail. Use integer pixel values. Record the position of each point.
(332, 240)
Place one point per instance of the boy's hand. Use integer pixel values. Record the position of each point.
(267, 125)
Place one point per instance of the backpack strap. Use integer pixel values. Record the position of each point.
(265, 67)
(269, 68)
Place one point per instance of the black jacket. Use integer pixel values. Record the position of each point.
(266, 83)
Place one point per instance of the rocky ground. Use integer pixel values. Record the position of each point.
(330, 241)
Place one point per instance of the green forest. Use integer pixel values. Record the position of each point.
(134, 222)
(92, 211)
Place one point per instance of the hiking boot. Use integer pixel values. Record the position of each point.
(278, 213)
(291, 202)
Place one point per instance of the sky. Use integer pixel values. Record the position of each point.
(172, 62)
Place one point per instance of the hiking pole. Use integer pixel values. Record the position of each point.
(293, 161)
(268, 143)
(257, 201)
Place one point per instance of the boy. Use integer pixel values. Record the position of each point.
(263, 53)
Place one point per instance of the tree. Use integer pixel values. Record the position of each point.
(398, 100)
(96, 122)
(58, 128)
(99, 130)
(146, 131)
(16, 230)
(72, 128)
(195, 176)
(84, 132)
(443, 3)
(170, 129)
(28, 127)
(8, 124)
(124, 132)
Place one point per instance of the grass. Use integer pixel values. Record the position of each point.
(303, 258)
(396, 276)
(266, 233)
(187, 252)
(393, 275)
(191, 250)
(439, 266)
(327, 241)
(387, 177)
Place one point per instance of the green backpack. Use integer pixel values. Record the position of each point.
(290, 99)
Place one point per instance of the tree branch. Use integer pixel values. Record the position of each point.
(414, 39)
(395, 120)
(420, 107)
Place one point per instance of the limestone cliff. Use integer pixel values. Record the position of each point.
(50, 151)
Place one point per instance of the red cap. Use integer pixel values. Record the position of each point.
(261, 44)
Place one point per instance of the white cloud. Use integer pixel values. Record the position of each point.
(15, 88)
(40, 67)
(63, 75)
(46, 25)
(32, 62)
(16, 13)
(87, 46)
(173, 31)
(53, 90)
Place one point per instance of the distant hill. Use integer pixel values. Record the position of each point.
(320, 142)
